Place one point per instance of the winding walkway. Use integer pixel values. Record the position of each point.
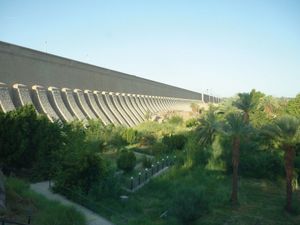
(91, 217)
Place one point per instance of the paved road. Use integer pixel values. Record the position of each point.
(91, 217)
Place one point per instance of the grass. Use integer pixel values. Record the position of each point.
(261, 201)
(21, 201)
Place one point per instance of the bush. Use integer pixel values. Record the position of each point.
(126, 161)
(130, 135)
(79, 171)
(261, 165)
(193, 122)
(28, 141)
(174, 142)
(159, 148)
(189, 204)
(177, 120)
(147, 139)
(254, 163)
(147, 162)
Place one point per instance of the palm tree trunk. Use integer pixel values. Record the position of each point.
(289, 156)
(235, 166)
(246, 117)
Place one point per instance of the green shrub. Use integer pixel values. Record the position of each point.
(28, 141)
(130, 135)
(147, 162)
(261, 165)
(147, 139)
(177, 120)
(254, 162)
(189, 204)
(80, 171)
(193, 122)
(126, 161)
(158, 149)
(197, 154)
(174, 142)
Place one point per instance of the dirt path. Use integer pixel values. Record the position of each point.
(91, 217)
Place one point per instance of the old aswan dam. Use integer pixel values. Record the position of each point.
(64, 89)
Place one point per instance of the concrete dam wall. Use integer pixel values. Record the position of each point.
(23, 65)
(65, 89)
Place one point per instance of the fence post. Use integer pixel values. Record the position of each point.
(146, 174)
(167, 160)
(152, 167)
(157, 167)
(140, 177)
(163, 163)
(131, 185)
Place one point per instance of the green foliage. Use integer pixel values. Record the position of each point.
(147, 162)
(254, 161)
(147, 140)
(28, 141)
(93, 132)
(293, 106)
(80, 171)
(126, 161)
(130, 135)
(174, 142)
(189, 204)
(113, 136)
(208, 128)
(285, 130)
(176, 120)
(193, 122)
(159, 149)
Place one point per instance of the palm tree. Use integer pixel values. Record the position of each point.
(235, 128)
(246, 103)
(286, 131)
(208, 128)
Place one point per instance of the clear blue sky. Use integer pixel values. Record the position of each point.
(224, 46)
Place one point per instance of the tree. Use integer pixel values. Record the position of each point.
(286, 131)
(293, 106)
(246, 102)
(208, 128)
(235, 128)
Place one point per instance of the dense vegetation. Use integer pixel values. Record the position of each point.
(231, 161)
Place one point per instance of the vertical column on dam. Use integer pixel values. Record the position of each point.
(158, 103)
(120, 109)
(91, 101)
(22, 95)
(108, 100)
(147, 103)
(141, 104)
(133, 110)
(153, 103)
(136, 105)
(43, 104)
(162, 103)
(104, 107)
(68, 98)
(128, 108)
(6, 103)
(79, 98)
(58, 104)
